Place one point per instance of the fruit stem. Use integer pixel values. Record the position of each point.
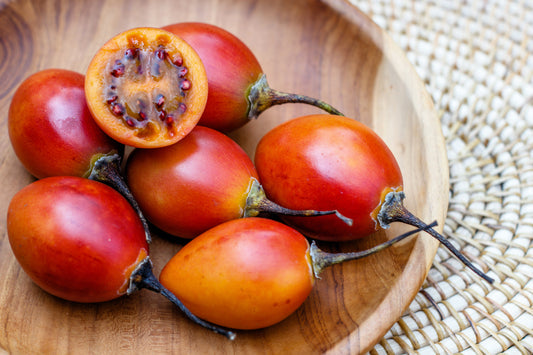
(257, 202)
(261, 96)
(393, 210)
(106, 169)
(143, 277)
(321, 259)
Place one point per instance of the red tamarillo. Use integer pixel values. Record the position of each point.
(238, 88)
(201, 181)
(80, 240)
(334, 162)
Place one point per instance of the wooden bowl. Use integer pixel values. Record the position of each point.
(327, 50)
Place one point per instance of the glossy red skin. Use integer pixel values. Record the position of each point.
(247, 273)
(76, 238)
(193, 185)
(50, 127)
(328, 162)
(231, 69)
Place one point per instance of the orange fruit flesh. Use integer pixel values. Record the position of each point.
(146, 88)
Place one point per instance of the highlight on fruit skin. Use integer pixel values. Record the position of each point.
(331, 162)
(81, 241)
(199, 182)
(251, 273)
(238, 89)
(51, 128)
(146, 87)
(53, 133)
(335, 162)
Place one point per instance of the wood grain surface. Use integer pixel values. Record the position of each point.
(325, 49)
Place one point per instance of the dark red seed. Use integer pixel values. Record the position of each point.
(142, 116)
(162, 115)
(130, 122)
(185, 84)
(159, 100)
(131, 53)
(182, 108)
(118, 69)
(178, 62)
(112, 98)
(182, 72)
(169, 119)
(118, 109)
(161, 54)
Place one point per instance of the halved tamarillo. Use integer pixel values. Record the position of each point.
(53, 132)
(250, 273)
(201, 181)
(146, 87)
(80, 240)
(334, 162)
(238, 89)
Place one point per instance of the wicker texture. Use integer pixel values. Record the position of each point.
(476, 60)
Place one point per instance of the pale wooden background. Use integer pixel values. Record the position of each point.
(305, 46)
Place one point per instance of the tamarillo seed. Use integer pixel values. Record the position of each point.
(131, 53)
(185, 84)
(159, 100)
(118, 109)
(146, 67)
(130, 121)
(178, 61)
(182, 71)
(182, 108)
(161, 53)
(118, 69)
(112, 98)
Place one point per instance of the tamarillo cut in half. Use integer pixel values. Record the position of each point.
(146, 87)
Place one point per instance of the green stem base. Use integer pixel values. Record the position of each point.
(262, 96)
(257, 202)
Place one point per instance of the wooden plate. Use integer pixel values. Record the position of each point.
(323, 49)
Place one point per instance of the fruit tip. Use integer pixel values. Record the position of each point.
(231, 335)
(345, 219)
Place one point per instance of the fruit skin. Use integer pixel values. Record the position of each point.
(245, 274)
(51, 128)
(227, 104)
(77, 239)
(193, 185)
(149, 39)
(328, 162)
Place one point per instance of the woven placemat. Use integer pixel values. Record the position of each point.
(476, 60)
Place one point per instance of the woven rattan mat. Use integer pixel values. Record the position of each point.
(475, 57)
